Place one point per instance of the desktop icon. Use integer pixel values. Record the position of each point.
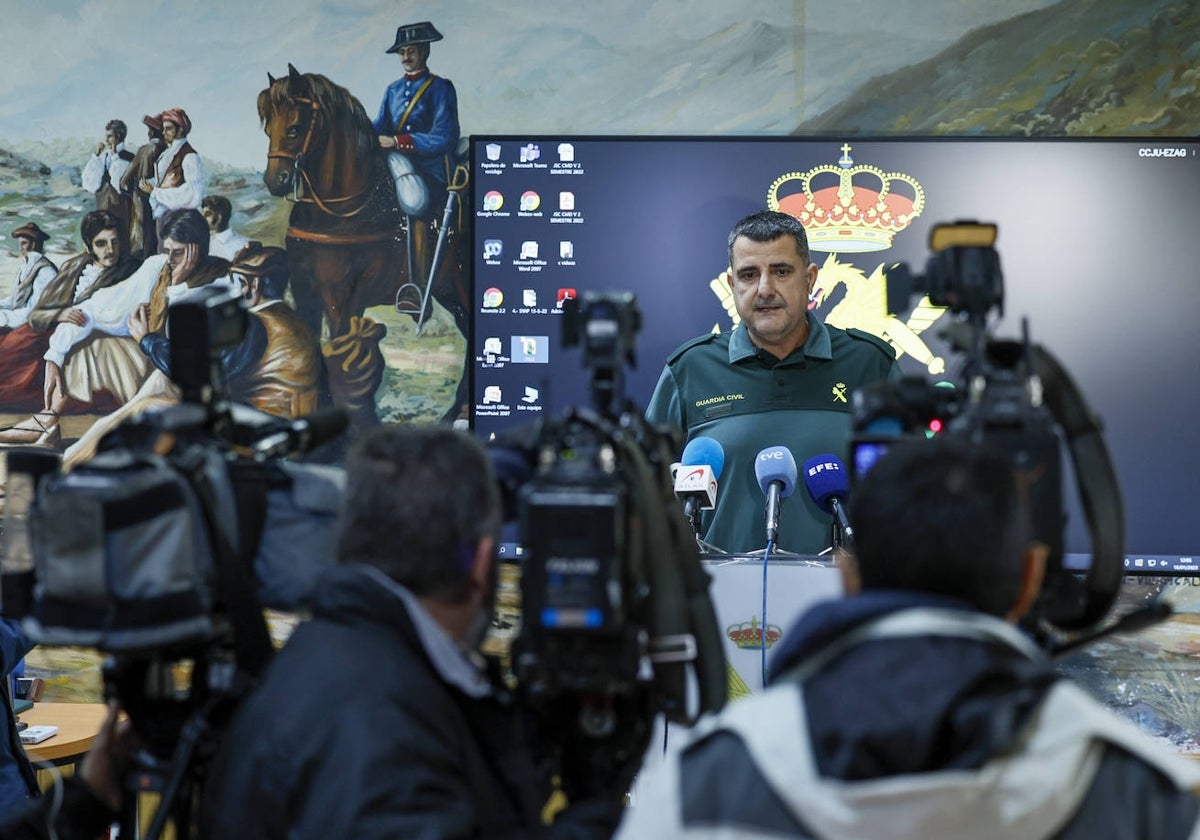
(531, 394)
(564, 295)
(492, 346)
(493, 200)
(530, 349)
(492, 248)
(530, 152)
(566, 250)
(566, 200)
(529, 297)
(530, 201)
(529, 250)
(491, 394)
(566, 152)
(492, 298)
(493, 151)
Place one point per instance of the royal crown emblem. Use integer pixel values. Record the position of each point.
(860, 211)
(749, 634)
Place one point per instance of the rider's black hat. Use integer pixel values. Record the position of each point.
(415, 33)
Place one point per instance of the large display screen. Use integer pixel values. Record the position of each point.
(1099, 242)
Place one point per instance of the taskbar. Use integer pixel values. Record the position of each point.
(1144, 564)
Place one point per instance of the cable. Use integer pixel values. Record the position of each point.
(762, 639)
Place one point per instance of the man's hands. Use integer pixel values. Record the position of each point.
(72, 316)
(139, 322)
(105, 762)
(183, 269)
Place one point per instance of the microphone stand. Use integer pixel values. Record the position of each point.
(836, 537)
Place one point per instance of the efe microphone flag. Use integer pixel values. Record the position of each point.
(828, 484)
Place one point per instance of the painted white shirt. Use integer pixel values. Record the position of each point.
(12, 316)
(87, 279)
(109, 309)
(226, 244)
(92, 175)
(188, 194)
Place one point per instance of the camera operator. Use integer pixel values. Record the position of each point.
(17, 779)
(377, 718)
(915, 708)
(89, 800)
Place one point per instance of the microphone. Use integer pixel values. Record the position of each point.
(304, 434)
(775, 469)
(696, 479)
(829, 485)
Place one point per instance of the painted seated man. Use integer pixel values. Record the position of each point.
(93, 349)
(103, 263)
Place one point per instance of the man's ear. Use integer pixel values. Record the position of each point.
(851, 579)
(812, 272)
(481, 566)
(1033, 572)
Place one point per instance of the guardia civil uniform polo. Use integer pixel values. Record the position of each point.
(723, 387)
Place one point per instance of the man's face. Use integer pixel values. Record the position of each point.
(210, 216)
(412, 58)
(175, 252)
(771, 283)
(25, 245)
(170, 131)
(111, 140)
(106, 248)
(249, 287)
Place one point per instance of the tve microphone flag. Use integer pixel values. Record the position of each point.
(775, 469)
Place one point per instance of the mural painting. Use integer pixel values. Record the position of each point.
(364, 239)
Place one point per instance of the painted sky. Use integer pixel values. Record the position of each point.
(654, 66)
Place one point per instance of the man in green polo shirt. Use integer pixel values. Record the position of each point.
(781, 378)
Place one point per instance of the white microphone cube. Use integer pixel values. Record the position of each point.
(697, 481)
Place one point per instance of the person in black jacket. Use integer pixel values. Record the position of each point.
(18, 781)
(376, 719)
(85, 805)
(914, 707)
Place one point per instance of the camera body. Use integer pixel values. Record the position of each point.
(616, 622)
(1014, 398)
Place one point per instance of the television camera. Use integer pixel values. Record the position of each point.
(1015, 397)
(616, 616)
(162, 550)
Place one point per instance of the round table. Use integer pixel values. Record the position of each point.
(78, 724)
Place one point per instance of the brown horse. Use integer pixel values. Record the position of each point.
(347, 237)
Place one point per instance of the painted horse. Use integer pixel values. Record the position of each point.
(347, 236)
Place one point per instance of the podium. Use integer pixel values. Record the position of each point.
(794, 583)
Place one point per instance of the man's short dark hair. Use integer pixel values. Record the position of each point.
(95, 222)
(418, 501)
(767, 226)
(221, 206)
(118, 128)
(274, 285)
(187, 226)
(943, 518)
